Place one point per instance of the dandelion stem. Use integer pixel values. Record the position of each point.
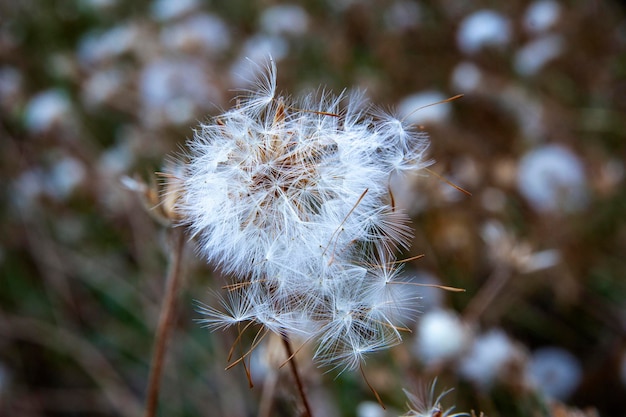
(294, 353)
(296, 376)
(166, 321)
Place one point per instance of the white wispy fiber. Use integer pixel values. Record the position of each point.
(425, 404)
(292, 198)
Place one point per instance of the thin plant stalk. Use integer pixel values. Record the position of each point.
(296, 376)
(488, 293)
(166, 321)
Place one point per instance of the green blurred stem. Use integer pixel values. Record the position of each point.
(166, 321)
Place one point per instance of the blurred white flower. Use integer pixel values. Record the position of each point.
(483, 28)
(555, 371)
(57, 182)
(46, 110)
(552, 178)
(168, 9)
(99, 46)
(292, 198)
(284, 19)
(175, 91)
(441, 335)
(201, 31)
(466, 77)
(491, 353)
(541, 15)
(101, 86)
(67, 174)
(536, 54)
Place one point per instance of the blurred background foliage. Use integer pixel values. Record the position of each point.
(95, 90)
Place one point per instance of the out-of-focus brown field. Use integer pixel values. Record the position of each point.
(94, 91)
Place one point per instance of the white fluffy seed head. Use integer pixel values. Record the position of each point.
(292, 198)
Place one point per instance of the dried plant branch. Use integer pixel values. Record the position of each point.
(296, 376)
(487, 293)
(166, 321)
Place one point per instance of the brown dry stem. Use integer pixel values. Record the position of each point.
(166, 322)
(296, 376)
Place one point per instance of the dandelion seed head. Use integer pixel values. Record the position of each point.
(291, 197)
